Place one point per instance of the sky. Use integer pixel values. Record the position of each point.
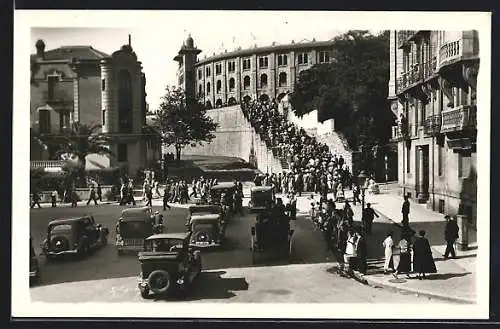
(157, 45)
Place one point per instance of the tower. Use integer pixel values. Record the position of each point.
(186, 71)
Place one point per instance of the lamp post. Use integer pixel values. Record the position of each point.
(386, 169)
(362, 184)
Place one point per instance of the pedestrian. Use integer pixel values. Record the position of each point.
(74, 198)
(361, 251)
(348, 213)
(388, 245)
(123, 194)
(293, 206)
(92, 195)
(166, 197)
(130, 192)
(405, 210)
(149, 197)
(35, 199)
(53, 197)
(367, 218)
(99, 192)
(402, 257)
(350, 251)
(407, 233)
(423, 262)
(450, 235)
(355, 193)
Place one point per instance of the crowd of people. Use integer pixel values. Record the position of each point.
(312, 167)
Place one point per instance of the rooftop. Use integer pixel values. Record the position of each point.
(76, 52)
(266, 49)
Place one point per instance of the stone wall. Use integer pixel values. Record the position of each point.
(235, 137)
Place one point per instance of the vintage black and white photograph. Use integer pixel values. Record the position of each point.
(289, 163)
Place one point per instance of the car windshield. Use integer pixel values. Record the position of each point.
(62, 228)
(135, 229)
(261, 197)
(165, 245)
(203, 226)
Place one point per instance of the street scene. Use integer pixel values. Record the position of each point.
(340, 167)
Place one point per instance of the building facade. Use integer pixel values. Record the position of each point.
(432, 89)
(257, 73)
(81, 84)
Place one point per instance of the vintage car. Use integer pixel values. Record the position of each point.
(207, 230)
(203, 209)
(135, 225)
(271, 236)
(217, 190)
(168, 265)
(261, 198)
(34, 268)
(73, 236)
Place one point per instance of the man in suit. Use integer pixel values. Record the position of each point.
(450, 235)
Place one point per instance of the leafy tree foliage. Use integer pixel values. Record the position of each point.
(74, 145)
(182, 121)
(352, 89)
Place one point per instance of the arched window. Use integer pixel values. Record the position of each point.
(231, 101)
(208, 105)
(231, 84)
(124, 102)
(218, 103)
(208, 87)
(282, 79)
(263, 81)
(246, 82)
(219, 86)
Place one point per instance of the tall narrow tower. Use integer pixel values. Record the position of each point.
(186, 71)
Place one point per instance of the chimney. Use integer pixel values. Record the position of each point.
(130, 41)
(40, 49)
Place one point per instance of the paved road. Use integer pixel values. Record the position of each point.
(105, 263)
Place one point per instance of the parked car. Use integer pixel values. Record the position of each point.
(168, 265)
(207, 230)
(217, 190)
(77, 236)
(203, 209)
(34, 268)
(261, 198)
(135, 225)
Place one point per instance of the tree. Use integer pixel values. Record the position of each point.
(352, 89)
(183, 122)
(78, 142)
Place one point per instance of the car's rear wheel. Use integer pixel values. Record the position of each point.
(159, 281)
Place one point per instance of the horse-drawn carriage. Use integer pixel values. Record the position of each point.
(271, 235)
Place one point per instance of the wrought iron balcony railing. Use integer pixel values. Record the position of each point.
(46, 163)
(432, 125)
(459, 118)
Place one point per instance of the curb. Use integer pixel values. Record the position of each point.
(376, 284)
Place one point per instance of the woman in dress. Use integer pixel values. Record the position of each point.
(402, 262)
(388, 245)
(422, 256)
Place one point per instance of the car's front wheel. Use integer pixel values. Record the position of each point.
(159, 281)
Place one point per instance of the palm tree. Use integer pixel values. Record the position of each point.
(83, 140)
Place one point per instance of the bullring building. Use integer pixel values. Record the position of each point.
(262, 73)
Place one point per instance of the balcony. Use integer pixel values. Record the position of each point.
(401, 132)
(459, 119)
(450, 52)
(432, 125)
(47, 164)
(417, 74)
(404, 36)
(396, 133)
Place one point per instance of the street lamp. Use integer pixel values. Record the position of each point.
(386, 169)
(362, 177)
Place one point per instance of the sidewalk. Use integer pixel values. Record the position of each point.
(455, 279)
